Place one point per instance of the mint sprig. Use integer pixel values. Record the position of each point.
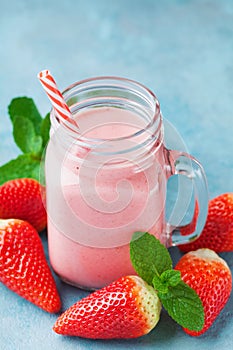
(184, 306)
(23, 166)
(31, 135)
(148, 256)
(168, 278)
(152, 261)
(25, 107)
(25, 136)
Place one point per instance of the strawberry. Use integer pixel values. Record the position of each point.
(127, 308)
(218, 231)
(23, 267)
(23, 199)
(209, 275)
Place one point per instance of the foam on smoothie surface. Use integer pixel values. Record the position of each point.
(108, 123)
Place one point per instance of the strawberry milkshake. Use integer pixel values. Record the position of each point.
(105, 180)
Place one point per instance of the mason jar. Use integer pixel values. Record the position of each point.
(106, 178)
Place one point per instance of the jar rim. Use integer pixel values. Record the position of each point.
(110, 82)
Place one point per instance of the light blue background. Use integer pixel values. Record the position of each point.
(183, 51)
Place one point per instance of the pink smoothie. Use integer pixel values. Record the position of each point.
(95, 203)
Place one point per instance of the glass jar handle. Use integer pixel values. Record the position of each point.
(181, 163)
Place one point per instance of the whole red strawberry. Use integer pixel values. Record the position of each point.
(127, 308)
(23, 199)
(218, 231)
(23, 267)
(209, 275)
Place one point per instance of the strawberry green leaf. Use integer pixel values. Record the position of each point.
(148, 256)
(183, 305)
(25, 136)
(23, 166)
(45, 128)
(25, 107)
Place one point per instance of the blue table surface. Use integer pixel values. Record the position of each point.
(183, 51)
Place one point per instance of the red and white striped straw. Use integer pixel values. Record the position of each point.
(55, 96)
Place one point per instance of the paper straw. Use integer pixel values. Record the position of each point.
(55, 96)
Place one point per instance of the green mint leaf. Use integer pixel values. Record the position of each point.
(25, 107)
(23, 166)
(168, 278)
(184, 306)
(36, 145)
(148, 256)
(25, 136)
(171, 277)
(159, 285)
(45, 128)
